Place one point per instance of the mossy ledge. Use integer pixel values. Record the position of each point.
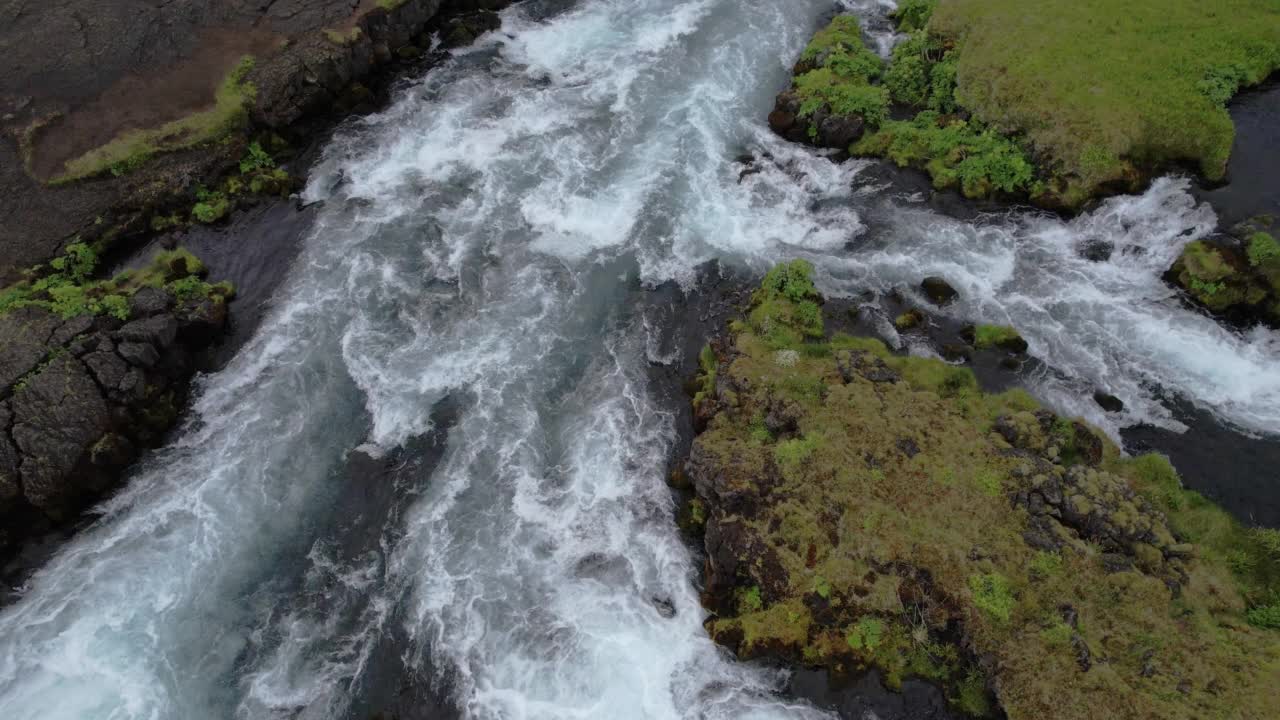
(1057, 104)
(1236, 277)
(91, 371)
(863, 509)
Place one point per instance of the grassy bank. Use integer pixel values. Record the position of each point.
(865, 509)
(1058, 102)
(1099, 87)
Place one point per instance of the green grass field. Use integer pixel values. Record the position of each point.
(1096, 83)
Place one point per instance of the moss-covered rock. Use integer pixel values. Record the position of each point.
(865, 509)
(1239, 280)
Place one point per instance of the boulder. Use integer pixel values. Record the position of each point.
(70, 329)
(840, 131)
(149, 301)
(159, 331)
(939, 291)
(58, 416)
(1110, 403)
(141, 355)
(107, 368)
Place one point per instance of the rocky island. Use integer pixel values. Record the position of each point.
(865, 509)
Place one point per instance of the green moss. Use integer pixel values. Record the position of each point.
(990, 336)
(956, 154)
(344, 39)
(211, 206)
(992, 595)
(67, 287)
(1144, 81)
(1205, 263)
(882, 483)
(134, 148)
(1263, 250)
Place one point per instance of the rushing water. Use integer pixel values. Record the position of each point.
(479, 255)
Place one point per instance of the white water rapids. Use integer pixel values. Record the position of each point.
(483, 240)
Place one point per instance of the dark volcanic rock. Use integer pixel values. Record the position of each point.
(838, 131)
(80, 411)
(25, 333)
(1110, 403)
(149, 301)
(58, 415)
(939, 291)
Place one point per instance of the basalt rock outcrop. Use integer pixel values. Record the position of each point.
(80, 397)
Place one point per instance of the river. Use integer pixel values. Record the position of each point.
(438, 466)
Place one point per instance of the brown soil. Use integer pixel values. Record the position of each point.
(140, 101)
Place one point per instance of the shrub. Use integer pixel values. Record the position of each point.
(913, 15)
(1266, 617)
(908, 75)
(211, 207)
(992, 595)
(955, 153)
(867, 634)
(255, 158)
(823, 87)
(1263, 250)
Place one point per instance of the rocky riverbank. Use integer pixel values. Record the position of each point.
(861, 509)
(115, 115)
(96, 369)
(85, 387)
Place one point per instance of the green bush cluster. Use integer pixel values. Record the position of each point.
(785, 308)
(841, 74)
(67, 289)
(913, 15)
(211, 206)
(1263, 250)
(922, 74)
(993, 595)
(955, 152)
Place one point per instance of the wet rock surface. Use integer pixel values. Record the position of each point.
(82, 396)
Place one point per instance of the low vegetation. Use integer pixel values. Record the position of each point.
(1057, 103)
(1102, 90)
(129, 151)
(1240, 280)
(877, 510)
(67, 286)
